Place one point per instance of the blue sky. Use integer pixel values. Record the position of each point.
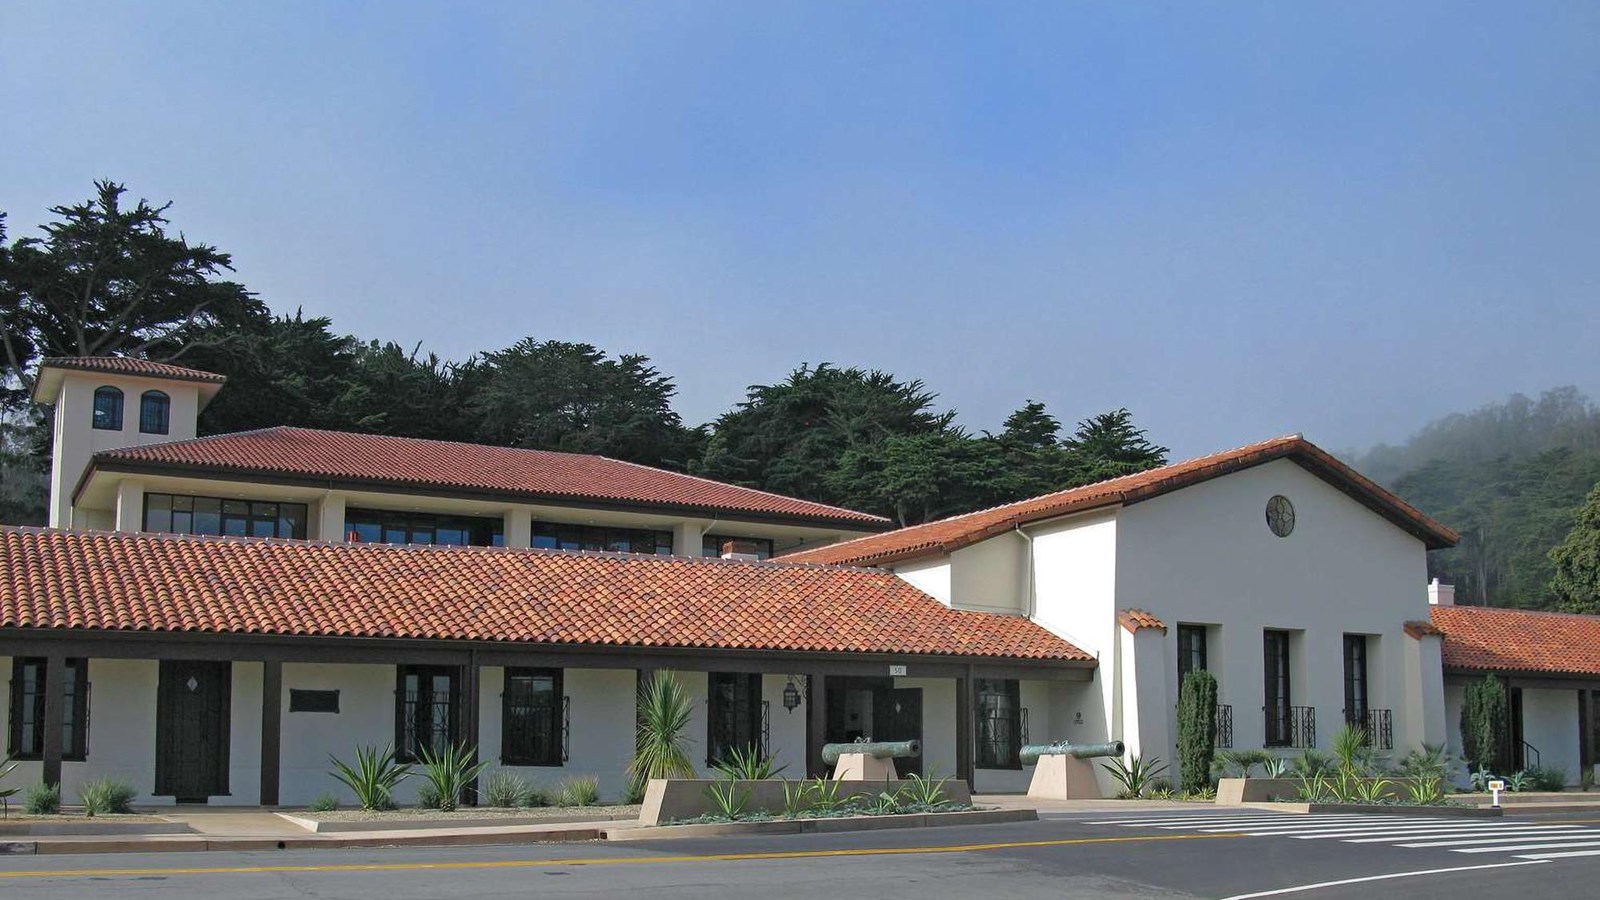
(1237, 220)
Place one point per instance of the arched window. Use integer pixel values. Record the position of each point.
(108, 408)
(154, 410)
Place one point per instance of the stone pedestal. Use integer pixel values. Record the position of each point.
(1062, 777)
(864, 767)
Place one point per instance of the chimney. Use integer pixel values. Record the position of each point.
(1441, 594)
(745, 550)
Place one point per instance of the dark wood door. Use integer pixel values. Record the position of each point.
(897, 716)
(192, 705)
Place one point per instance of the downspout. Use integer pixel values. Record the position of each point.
(1029, 601)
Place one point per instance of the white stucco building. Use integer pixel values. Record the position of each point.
(211, 617)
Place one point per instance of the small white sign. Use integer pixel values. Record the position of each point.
(897, 670)
(1497, 785)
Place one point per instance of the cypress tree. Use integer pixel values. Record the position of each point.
(1197, 729)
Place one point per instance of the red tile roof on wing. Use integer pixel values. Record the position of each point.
(1136, 619)
(531, 475)
(1482, 638)
(947, 535)
(171, 583)
(127, 365)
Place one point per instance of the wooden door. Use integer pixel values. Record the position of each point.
(192, 707)
(897, 716)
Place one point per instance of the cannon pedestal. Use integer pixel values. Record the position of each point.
(864, 767)
(1062, 777)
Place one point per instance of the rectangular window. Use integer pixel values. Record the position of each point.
(154, 412)
(711, 545)
(552, 536)
(733, 721)
(425, 711)
(999, 723)
(1356, 700)
(307, 701)
(178, 514)
(383, 526)
(532, 716)
(1191, 650)
(1275, 646)
(26, 738)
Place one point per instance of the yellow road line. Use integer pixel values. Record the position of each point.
(604, 861)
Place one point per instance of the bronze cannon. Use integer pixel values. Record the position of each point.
(874, 749)
(1030, 754)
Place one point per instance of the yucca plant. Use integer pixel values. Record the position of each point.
(449, 772)
(795, 795)
(728, 799)
(580, 791)
(506, 790)
(661, 749)
(373, 778)
(7, 793)
(105, 796)
(1136, 776)
(1351, 750)
(1426, 791)
(919, 792)
(1373, 790)
(748, 764)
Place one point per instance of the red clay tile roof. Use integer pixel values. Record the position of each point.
(1135, 619)
(1518, 640)
(1420, 630)
(947, 535)
(170, 583)
(127, 365)
(530, 475)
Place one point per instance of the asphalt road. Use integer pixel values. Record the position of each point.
(1127, 855)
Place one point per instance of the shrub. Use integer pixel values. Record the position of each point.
(42, 800)
(661, 750)
(1312, 763)
(1137, 775)
(6, 768)
(326, 801)
(1428, 761)
(449, 772)
(506, 790)
(1197, 729)
(373, 777)
(1485, 719)
(428, 796)
(105, 796)
(584, 791)
(537, 796)
(633, 790)
(1547, 778)
(748, 764)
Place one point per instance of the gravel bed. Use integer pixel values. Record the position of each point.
(590, 813)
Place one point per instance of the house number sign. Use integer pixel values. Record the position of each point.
(897, 670)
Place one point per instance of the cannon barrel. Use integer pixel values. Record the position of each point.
(1030, 754)
(874, 749)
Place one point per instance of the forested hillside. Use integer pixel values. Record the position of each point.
(1510, 477)
(110, 277)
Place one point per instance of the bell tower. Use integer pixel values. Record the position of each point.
(110, 402)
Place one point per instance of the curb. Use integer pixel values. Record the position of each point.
(1464, 812)
(198, 843)
(823, 826)
(318, 826)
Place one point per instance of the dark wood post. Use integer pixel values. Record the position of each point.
(964, 769)
(816, 723)
(55, 692)
(271, 729)
(471, 693)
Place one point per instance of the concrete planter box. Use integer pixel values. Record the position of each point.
(826, 826)
(667, 800)
(1236, 791)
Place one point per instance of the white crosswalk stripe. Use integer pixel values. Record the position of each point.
(1525, 839)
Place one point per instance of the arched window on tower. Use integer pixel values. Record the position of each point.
(108, 408)
(155, 409)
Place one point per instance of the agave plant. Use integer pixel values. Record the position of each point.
(373, 778)
(449, 772)
(1426, 791)
(825, 792)
(728, 799)
(795, 795)
(748, 764)
(1275, 767)
(1136, 776)
(923, 792)
(661, 749)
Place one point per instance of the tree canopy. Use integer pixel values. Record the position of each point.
(1575, 580)
(108, 279)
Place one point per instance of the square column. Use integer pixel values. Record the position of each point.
(55, 692)
(271, 730)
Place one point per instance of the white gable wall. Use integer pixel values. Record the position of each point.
(1205, 555)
